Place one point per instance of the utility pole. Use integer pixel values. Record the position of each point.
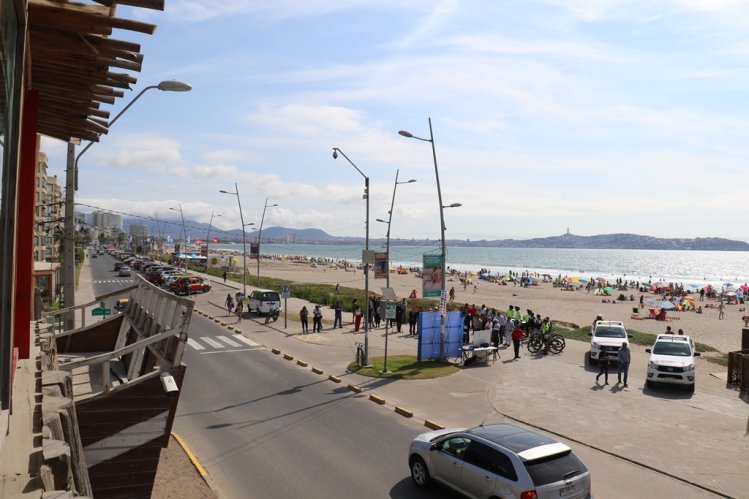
(68, 241)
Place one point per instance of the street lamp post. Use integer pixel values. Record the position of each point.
(184, 234)
(208, 239)
(443, 250)
(259, 235)
(387, 251)
(244, 238)
(366, 248)
(71, 185)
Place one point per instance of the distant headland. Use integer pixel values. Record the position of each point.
(279, 235)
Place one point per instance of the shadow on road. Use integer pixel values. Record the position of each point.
(405, 489)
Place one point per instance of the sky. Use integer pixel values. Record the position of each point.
(597, 116)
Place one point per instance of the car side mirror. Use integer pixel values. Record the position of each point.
(696, 354)
(647, 350)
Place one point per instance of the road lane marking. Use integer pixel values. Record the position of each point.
(195, 344)
(248, 341)
(232, 350)
(212, 342)
(228, 341)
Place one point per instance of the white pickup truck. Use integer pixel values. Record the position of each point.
(609, 334)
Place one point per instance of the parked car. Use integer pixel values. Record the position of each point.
(672, 361)
(609, 334)
(262, 301)
(189, 285)
(498, 461)
(121, 304)
(117, 266)
(124, 271)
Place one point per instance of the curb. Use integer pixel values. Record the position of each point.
(376, 399)
(355, 388)
(404, 412)
(192, 457)
(432, 425)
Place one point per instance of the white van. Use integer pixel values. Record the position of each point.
(262, 301)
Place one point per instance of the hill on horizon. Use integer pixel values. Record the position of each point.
(601, 241)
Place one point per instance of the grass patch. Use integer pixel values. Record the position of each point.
(405, 367)
(635, 338)
(721, 360)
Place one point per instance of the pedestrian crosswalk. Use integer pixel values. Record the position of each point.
(215, 344)
(117, 281)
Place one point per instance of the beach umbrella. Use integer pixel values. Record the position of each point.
(729, 293)
(665, 304)
(694, 286)
(729, 285)
(659, 285)
(688, 300)
(608, 288)
(744, 287)
(650, 303)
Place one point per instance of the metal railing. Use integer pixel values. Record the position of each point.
(738, 371)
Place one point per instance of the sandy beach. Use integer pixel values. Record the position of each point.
(577, 307)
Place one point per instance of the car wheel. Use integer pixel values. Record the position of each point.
(649, 384)
(420, 473)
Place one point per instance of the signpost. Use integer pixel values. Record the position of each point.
(102, 310)
(285, 293)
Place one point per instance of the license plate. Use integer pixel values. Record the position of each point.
(565, 491)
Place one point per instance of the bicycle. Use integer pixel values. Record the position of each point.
(556, 343)
(359, 354)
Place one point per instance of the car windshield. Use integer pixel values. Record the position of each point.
(610, 332)
(680, 349)
(271, 297)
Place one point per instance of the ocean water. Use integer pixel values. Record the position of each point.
(686, 267)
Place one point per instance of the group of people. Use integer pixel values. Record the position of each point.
(235, 304)
(402, 315)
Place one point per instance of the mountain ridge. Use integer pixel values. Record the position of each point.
(198, 230)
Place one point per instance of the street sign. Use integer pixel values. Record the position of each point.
(101, 311)
(390, 310)
(285, 291)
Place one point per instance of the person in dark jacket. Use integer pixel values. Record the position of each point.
(623, 357)
(603, 365)
(413, 319)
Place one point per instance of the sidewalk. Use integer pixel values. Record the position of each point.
(699, 439)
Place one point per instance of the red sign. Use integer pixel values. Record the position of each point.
(198, 241)
(214, 240)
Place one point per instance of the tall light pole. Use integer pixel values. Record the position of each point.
(387, 251)
(208, 239)
(259, 235)
(443, 250)
(366, 249)
(244, 238)
(184, 234)
(71, 185)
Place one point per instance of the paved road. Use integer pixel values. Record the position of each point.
(265, 427)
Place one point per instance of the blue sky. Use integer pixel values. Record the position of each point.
(593, 115)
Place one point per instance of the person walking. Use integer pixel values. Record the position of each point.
(317, 319)
(240, 306)
(357, 315)
(338, 314)
(603, 366)
(229, 303)
(224, 277)
(721, 311)
(413, 319)
(303, 313)
(400, 314)
(623, 357)
(517, 336)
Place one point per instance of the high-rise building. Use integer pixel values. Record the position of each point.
(138, 230)
(107, 220)
(48, 213)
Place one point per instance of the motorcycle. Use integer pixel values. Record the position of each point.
(273, 315)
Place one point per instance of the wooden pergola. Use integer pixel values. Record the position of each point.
(76, 65)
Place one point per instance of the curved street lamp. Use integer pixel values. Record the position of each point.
(208, 239)
(366, 249)
(71, 186)
(184, 234)
(259, 235)
(244, 238)
(443, 298)
(387, 252)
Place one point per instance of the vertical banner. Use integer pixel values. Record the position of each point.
(431, 283)
(254, 250)
(381, 265)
